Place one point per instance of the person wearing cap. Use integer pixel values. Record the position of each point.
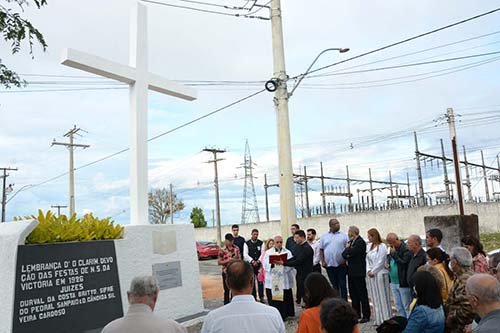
(227, 254)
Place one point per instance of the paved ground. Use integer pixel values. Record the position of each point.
(211, 281)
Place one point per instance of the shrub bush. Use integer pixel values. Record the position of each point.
(56, 229)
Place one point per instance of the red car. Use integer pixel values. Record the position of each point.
(207, 250)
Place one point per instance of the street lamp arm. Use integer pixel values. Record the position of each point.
(21, 189)
(302, 76)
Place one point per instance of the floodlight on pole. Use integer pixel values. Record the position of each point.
(302, 76)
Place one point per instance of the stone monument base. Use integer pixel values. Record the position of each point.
(454, 227)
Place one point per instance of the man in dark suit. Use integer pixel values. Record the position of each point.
(355, 255)
(303, 262)
(290, 244)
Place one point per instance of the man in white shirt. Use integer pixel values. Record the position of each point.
(243, 314)
(311, 239)
(142, 298)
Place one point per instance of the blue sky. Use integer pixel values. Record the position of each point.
(327, 114)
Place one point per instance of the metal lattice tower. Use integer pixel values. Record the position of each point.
(249, 209)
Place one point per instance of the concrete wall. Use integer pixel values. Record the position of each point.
(146, 245)
(404, 222)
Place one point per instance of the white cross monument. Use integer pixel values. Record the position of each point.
(138, 78)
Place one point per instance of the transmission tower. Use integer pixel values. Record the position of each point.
(249, 209)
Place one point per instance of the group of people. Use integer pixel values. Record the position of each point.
(433, 291)
(428, 287)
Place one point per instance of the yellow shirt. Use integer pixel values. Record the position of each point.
(447, 282)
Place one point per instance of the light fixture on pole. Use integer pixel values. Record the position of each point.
(302, 76)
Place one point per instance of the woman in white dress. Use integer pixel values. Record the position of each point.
(377, 276)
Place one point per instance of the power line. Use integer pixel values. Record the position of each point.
(420, 51)
(415, 64)
(400, 42)
(311, 86)
(58, 90)
(463, 68)
(206, 10)
(151, 139)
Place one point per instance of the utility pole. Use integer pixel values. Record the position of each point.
(467, 177)
(445, 172)
(392, 193)
(450, 116)
(486, 190)
(4, 187)
(58, 209)
(349, 197)
(171, 199)
(71, 146)
(371, 189)
(421, 194)
(266, 197)
(323, 198)
(216, 186)
(287, 195)
(409, 191)
(498, 165)
(306, 185)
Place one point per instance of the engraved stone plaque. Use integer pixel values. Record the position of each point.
(169, 274)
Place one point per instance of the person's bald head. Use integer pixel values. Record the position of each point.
(484, 287)
(414, 243)
(278, 242)
(392, 239)
(239, 277)
(483, 293)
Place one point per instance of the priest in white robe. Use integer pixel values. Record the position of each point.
(279, 280)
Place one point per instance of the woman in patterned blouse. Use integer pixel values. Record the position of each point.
(479, 261)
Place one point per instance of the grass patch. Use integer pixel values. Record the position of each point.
(490, 241)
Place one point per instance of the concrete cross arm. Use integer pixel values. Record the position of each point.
(99, 66)
(123, 73)
(171, 88)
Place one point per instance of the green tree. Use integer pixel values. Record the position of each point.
(198, 218)
(159, 205)
(15, 29)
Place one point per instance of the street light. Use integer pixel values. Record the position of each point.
(302, 76)
(15, 193)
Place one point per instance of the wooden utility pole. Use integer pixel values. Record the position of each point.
(58, 209)
(4, 189)
(450, 116)
(71, 146)
(287, 193)
(216, 186)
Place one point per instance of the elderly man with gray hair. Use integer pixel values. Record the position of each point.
(142, 298)
(483, 291)
(459, 312)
